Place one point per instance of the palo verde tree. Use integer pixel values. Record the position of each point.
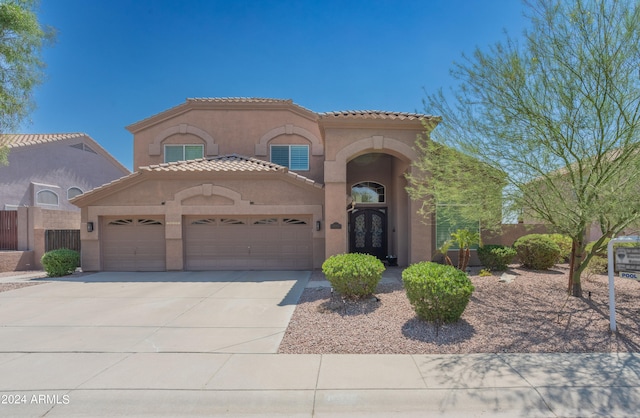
(21, 67)
(557, 114)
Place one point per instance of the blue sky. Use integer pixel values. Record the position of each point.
(116, 62)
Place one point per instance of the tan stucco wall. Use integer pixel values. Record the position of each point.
(174, 199)
(410, 236)
(247, 132)
(249, 129)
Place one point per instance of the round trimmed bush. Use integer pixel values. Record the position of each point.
(496, 257)
(353, 275)
(565, 244)
(437, 292)
(60, 262)
(537, 251)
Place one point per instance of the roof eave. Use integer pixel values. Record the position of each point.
(213, 104)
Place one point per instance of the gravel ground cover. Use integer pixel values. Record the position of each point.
(5, 287)
(532, 314)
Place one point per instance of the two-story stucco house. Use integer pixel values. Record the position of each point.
(245, 183)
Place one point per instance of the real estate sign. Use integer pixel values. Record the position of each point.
(628, 262)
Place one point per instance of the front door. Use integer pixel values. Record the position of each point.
(368, 232)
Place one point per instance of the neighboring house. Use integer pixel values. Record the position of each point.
(268, 185)
(44, 172)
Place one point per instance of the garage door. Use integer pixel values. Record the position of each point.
(133, 244)
(241, 243)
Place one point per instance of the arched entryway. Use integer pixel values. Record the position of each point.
(379, 205)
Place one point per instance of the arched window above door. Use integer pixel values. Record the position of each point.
(368, 192)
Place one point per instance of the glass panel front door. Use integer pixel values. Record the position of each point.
(368, 232)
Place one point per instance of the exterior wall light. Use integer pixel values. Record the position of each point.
(89, 226)
(318, 225)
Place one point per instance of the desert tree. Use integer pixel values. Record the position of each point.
(557, 113)
(21, 66)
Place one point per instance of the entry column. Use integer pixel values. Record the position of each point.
(336, 232)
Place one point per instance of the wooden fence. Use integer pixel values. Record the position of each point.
(8, 230)
(55, 239)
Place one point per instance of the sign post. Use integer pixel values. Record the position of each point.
(628, 261)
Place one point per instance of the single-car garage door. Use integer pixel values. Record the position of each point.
(133, 244)
(244, 243)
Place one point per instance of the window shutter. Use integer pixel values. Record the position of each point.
(280, 155)
(299, 157)
(173, 153)
(192, 152)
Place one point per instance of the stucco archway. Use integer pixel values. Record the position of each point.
(316, 145)
(211, 147)
(410, 246)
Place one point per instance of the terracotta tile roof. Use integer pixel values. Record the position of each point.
(21, 140)
(224, 163)
(245, 100)
(375, 114)
(238, 100)
(228, 163)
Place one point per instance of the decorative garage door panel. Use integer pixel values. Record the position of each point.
(243, 243)
(133, 244)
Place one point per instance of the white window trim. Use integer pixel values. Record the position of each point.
(180, 145)
(74, 187)
(47, 204)
(371, 203)
(292, 145)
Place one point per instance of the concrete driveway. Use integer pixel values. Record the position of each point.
(191, 312)
(204, 344)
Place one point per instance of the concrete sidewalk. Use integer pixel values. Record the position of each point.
(204, 344)
(210, 384)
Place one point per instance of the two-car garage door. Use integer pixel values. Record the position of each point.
(210, 243)
(246, 243)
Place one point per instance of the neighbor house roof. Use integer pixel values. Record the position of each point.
(22, 140)
(26, 140)
(222, 164)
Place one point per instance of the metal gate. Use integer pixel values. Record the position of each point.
(55, 239)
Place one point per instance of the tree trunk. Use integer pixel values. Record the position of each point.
(576, 286)
(575, 269)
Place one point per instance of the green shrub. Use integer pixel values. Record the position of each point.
(60, 262)
(437, 292)
(353, 275)
(537, 251)
(496, 257)
(565, 244)
(598, 265)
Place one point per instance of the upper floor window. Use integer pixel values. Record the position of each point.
(295, 157)
(368, 192)
(47, 197)
(73, 192)
(174, 153)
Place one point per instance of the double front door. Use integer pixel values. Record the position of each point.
(368, 231)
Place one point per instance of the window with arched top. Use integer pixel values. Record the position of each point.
(73, 192)
(47, 197)
(368, 192)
